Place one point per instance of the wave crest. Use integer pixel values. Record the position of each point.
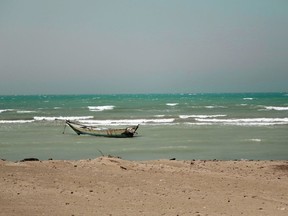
(100, 108)
(200, 116)
(73, 118)
(246, 122)
(127, 121)
(276, 108)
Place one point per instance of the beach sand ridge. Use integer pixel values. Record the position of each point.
(112, 186)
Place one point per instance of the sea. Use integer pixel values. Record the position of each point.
(230, 126)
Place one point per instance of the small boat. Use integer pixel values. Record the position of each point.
(95, 131)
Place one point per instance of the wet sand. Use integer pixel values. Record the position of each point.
(111, 186)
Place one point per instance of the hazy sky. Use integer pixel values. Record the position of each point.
(143, 46)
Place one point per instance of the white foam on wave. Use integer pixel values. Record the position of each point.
(128, 121)
(200, 116)
(214, 107)
(246, 122)
(172, 104)
(199, 123)
(276, 108)
(73, 118)
(100, 108)
(6, 110)
(255, 140)
(248, 98)
(15, 121)
(159, 116)
(25, 111)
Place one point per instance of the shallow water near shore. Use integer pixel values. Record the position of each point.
(183, 126)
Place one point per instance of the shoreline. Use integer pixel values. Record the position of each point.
(31, 159)
(112, 186)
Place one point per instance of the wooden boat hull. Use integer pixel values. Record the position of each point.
(94, 131)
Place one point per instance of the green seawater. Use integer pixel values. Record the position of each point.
(182, 126)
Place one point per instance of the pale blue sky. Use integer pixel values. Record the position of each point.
(148, 46)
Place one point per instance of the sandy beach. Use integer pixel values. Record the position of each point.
(112, 186)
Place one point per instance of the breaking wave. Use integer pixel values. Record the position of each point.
(246, 121)
(100, 108)
(25, 111)
(90, 121)
(128, 121)
(172, 104)
(255, 140)
(199, 120)
(15, 121)
(214, 107)
(73, 118)
(200, 116)
(276, 108)
(6, 110)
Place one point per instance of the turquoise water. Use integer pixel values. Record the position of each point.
(183, 126)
